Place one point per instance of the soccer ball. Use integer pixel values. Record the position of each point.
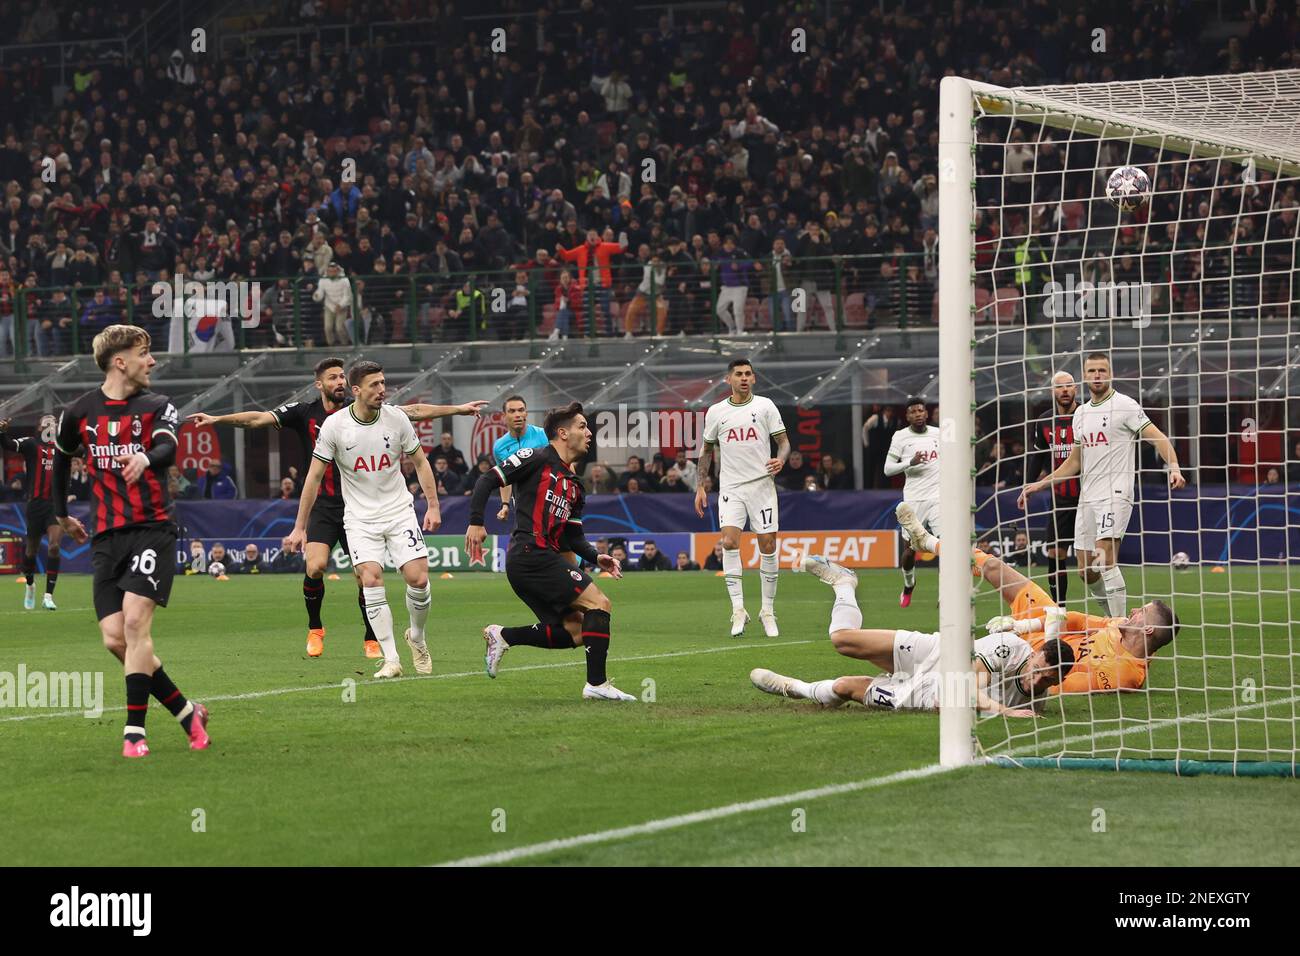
(217, 569)
(1128, 188)
(1181, 561)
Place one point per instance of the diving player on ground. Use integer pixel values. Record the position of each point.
(570, 610)
(38, 453)
(1111, 652)
(129, 434)
(325, 526)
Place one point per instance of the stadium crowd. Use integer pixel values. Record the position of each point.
(522, 166)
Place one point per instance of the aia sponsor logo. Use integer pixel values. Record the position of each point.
(741, 434)
(1091, 439)
(370, 463)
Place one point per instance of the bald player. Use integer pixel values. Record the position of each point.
(1106, 431)
(1111, 653)
(1054, 440)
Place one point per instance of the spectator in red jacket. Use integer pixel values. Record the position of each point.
(602, 252)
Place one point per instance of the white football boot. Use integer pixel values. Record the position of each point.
(769, 623)
(419, 655)
(770, 682)
(827, 571)
(29, 597)
(496, 649)
(739, 618)
(388, 669)
(47, 602)
(910, 523)
(605, 691)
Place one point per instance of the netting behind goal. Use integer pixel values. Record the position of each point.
(1195, 298)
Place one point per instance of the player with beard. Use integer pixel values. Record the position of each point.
(325, 526)
(1054, 440)
(38, 453)
(570, 610)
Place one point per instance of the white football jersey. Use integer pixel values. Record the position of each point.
(369, 458)
(1005, 655)
(1107, 432)
(743, 434)
(920, 482)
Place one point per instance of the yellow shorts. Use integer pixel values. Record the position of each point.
(1028, 599)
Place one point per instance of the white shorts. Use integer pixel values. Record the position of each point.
(1096, 520)
(393, 543)
(927, 512)
(914, 682)
(755, 501)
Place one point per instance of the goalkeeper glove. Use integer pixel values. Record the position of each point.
(1001, 623)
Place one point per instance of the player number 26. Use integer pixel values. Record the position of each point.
(145, 562)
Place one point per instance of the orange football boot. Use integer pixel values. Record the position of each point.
(316, 642)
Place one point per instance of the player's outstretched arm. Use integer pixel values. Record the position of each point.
(1066, 469)
(422, 411)
(476, 534)
(1165, 448)
(429, 485)
(985, 703)
(238, 419)
(294, 541)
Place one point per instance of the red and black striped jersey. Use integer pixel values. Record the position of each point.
(1054, 439)
(107, 428)
(305, 419)
(39, 458)
(548, 495)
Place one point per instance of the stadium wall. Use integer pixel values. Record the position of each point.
(1212, 523)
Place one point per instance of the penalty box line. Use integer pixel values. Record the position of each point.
(280, 691)
(767, 803)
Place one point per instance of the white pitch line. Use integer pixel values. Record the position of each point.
(279, 691)
(765, 803)
(699, 816)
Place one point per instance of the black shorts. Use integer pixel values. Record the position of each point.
(545, 581)
(136, 560)
(325, 523)
(40, 517)
(1060, 527)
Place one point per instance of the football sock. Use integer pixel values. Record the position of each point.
(365, 619)
(417, 605)
(138, 687)
(845, 613)
(313, 595)
(169, 695)
(1098, 588)
(1116, 591)
(52, 562)
(29, 569)
(1058, 579)
(381, 620)
(909, 577)
(731, 570)
(768, 573)
(595, 638)
(822, 691)
(537, 635)
(929, 543)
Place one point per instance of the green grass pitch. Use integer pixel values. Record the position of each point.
(440, 769)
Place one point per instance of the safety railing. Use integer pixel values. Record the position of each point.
(717, 295)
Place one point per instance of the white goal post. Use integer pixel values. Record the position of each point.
(1248, 123)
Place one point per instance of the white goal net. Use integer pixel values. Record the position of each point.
(1193, 299)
